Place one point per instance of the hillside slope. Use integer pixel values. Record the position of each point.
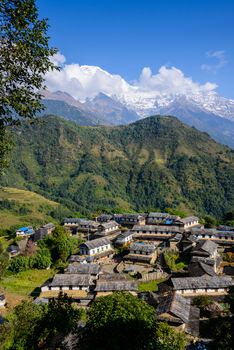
(154, 163)
(21, 207)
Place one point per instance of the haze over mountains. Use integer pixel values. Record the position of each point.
(98, 97)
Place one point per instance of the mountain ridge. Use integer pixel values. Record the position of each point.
(106, 110)
(156, 162)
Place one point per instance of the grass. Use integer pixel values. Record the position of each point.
(38, 208)
(149, 286)
(24, 283)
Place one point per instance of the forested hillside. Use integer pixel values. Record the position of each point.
(157, 162)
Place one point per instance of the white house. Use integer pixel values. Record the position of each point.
(124, 238)
(99, 246)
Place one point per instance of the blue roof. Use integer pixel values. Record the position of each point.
(23, 229)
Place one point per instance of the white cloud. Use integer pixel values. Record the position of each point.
(87, 81)
(220, 58)
(171, 81)
(58, 59)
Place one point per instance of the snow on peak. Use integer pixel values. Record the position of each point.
(147, 95)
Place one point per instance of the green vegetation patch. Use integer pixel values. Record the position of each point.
(149, 286)
(24, 283)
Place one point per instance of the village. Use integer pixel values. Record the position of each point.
(180, 258)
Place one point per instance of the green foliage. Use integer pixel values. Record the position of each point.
(154, 163)
(4, 261)
(209, 221)
(229, 257)
(168, 339)
(33, 326)
(223, 331)
(25, 58)
(120, 321)
(19, 333)
(172, 259)
(150, 286)
(60, 244)
(203, 301)
(40, 260)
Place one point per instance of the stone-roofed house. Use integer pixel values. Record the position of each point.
(187, 222)
(43, 231)
(155, 232)
(124, 238)
(107, 228)
(223, 238)
(174, 241)
(18, 248)
(104, 217)
(225, 228)
(84, 269)
(68, 281)
(142, 252)
(76, 286)
(82, 225)
(199, 268)
(155, 218)
(129, 219)
(178, 312)
(109, 283)
(207, 252)
(99, 247)
(210, 285)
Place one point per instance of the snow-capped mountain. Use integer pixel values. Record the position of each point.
(113, 100)
(148, 103)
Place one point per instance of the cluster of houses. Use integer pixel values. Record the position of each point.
(143, 239)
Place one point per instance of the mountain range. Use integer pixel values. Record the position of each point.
(151, 164)
(208, 112)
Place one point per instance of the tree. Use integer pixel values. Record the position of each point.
(168, 339)
(20, 332)
(61, 244)
(120, 321)
(4, 261)
(24, 59)
(32, 326)
(223, 332)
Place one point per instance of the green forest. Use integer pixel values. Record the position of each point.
(152, 164)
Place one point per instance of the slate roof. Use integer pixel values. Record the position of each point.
(201, 282)
(207, 246)
(189, 219)
(49, 226)
(143, 247)
(95, 243)
(113, 277)
(108, 224)
(114, 286)
(207, 269)
(175, 304)
(225, 228)
(124, 235)
(104, 217)
(91, 269)
(155, 228)
(213, 233)
(72, 220)
(67, 280)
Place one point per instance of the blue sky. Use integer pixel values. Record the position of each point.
(122, 37)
